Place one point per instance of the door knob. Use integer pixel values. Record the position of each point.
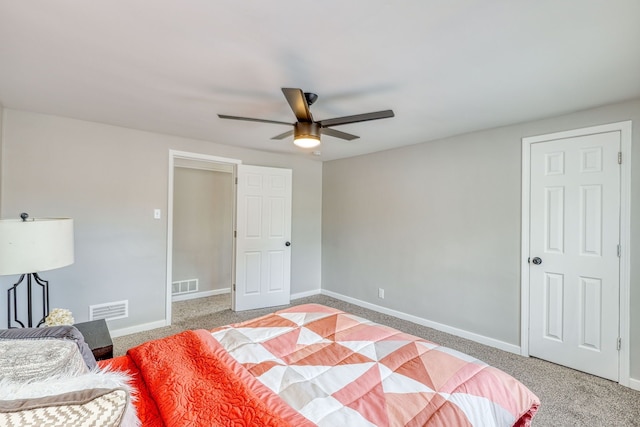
(288, 244)
(536, 261)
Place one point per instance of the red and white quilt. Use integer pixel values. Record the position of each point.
(338, 369)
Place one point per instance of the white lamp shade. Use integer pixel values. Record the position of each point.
(35, 245)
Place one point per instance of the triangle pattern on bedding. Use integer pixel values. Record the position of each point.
(335, 367)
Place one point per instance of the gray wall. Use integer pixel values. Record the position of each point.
(203, 227)
(1, 150)
(110, 179)
(437, 225)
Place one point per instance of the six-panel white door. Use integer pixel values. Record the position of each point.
(263, 224)
(574, 232)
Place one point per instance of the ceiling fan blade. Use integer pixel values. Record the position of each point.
(356, 118)
(283, 135)
(249, 119)
(298, 103)
(338, 134)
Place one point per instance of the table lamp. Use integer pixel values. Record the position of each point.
(27, 247)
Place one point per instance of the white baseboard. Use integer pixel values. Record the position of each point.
(194, 295)
(137, 328)
(306, 294)
(634, 384)
(492, 342)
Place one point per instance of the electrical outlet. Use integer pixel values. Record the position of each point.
(380, 293)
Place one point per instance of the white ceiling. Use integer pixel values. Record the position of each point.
(444, 67)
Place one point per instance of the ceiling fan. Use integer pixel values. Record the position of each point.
(306, 131)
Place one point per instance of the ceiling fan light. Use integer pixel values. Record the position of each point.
(306, 134)
(306, 141)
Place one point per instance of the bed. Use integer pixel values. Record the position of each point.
(315, 365)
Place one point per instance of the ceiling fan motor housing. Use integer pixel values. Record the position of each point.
(306, 134)
(306, 130)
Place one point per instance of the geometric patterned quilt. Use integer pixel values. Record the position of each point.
(338, 369)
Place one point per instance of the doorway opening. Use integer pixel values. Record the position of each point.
(200, 223)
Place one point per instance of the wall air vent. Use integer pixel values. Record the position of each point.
(184, 287)
(109, 310)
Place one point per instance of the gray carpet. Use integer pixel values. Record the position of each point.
(569, 398)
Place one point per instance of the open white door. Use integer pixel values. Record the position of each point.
(263, 247)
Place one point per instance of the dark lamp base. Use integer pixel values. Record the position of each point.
(12, 301)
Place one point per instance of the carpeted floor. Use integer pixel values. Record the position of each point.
(569, 398)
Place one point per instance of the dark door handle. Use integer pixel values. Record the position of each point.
(288, 244)
(536, 261)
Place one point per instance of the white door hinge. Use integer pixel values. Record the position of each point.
(619, 345)
(619, 157)
(236, 180)
(235, 234)
(234, 287)
(619, 251)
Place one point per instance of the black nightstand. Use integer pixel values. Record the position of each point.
(96, 335)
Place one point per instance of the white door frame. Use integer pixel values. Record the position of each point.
(173, 155)
(625, 227)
